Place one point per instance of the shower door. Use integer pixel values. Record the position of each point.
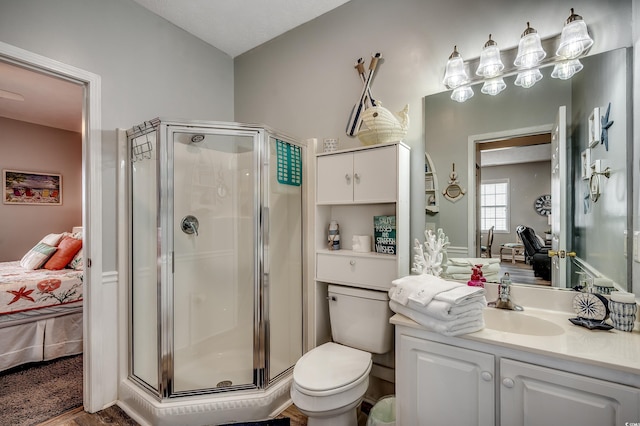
(213, 208)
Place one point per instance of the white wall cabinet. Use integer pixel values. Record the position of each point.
(364, 176)
(455, 381)
(353, 186)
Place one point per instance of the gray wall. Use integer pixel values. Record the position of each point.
(527, 181)
(148, 68)
(304, 81)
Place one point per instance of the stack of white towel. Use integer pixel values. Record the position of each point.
(461, 268)
(446, 307)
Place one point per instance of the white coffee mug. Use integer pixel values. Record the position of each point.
(361, 243)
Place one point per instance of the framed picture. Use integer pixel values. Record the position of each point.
(594, 127)
(586, 164)
(34, 188)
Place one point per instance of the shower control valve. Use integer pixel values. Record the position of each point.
(189, 225)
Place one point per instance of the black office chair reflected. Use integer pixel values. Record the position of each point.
(535, 253)
(485, 251)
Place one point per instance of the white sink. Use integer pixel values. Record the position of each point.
(519, 323)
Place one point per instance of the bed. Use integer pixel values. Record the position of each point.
(41, 302)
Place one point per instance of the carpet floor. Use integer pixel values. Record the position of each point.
(33, 393)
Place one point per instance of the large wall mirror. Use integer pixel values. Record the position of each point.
(507, 138)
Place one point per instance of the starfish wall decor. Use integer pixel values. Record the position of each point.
(604, 135)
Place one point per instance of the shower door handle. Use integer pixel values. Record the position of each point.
(265, 240)
(189, 225)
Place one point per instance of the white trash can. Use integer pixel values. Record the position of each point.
(383, 413)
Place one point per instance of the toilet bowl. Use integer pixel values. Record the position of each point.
(329, 383)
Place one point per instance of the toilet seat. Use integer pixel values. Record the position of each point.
(331, 368)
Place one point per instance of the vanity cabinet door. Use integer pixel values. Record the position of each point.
(442, 385)
(537, 396)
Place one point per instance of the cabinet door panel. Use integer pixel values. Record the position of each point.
(537, 396)
(335, 179)
(375, 175)
(443, 385)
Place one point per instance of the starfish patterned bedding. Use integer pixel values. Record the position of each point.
(26, 290)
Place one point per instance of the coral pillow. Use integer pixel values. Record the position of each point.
(67, 248)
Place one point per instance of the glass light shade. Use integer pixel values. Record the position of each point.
(493, 87)
(462, 93)
(528, 78)
(455, 74)
(575, 38)
(490, 63)
(530, 51)
(566, 70)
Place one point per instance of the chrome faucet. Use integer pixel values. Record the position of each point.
(504, 296)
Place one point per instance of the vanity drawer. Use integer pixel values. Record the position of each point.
(345, 267)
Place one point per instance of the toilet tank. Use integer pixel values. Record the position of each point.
(360, 318)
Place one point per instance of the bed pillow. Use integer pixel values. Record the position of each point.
(52, 239)
(67, 248)
(77, 262)
(37, 256)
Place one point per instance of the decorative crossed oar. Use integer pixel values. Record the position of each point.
(354, 119)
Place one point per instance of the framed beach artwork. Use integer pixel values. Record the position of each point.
(33, 188)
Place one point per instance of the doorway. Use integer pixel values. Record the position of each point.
(95, 393)
(511, 170)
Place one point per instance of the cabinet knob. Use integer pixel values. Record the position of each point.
(356, 177)
(486, 376)
(352, 262)
(508, 382)
(347, 177)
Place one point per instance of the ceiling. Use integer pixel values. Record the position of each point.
(233, 26)
(236, 26)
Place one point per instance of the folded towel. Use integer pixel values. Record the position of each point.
(460, 294)
(452, 269)
(454, 327)
(463, 261)
(419, 288)
(447, 311)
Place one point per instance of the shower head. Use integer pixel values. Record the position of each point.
(197, 138)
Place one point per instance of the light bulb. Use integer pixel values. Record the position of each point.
(575, 38)
(530, 51)
(490, 63)
(455, 75)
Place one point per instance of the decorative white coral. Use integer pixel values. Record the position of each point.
(430, 259)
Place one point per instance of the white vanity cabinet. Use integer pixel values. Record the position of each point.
(443, 385)
(362, 176)
(535, 395)
(444, 381)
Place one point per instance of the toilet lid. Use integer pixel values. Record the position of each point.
(330, 366)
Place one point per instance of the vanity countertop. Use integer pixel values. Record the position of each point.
(550, 333)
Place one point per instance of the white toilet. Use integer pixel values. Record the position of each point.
(330, 381)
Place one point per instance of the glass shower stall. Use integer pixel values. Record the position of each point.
(215, 257)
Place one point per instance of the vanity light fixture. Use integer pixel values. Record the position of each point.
(567, 69)
(530, 51)
(530, 57)
(462, 93)
(574, 39)
(490, 63)
(494, 86)
(455, 74)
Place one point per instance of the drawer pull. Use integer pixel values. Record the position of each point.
(508, 382)
(486, 376)
(352, 262)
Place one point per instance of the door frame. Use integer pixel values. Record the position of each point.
(473, 233)
(95, 396)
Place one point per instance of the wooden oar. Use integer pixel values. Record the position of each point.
(360, 67)
(354, 120)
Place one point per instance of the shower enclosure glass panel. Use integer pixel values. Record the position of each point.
(144, 265)
(213, 259)
(283, 273)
